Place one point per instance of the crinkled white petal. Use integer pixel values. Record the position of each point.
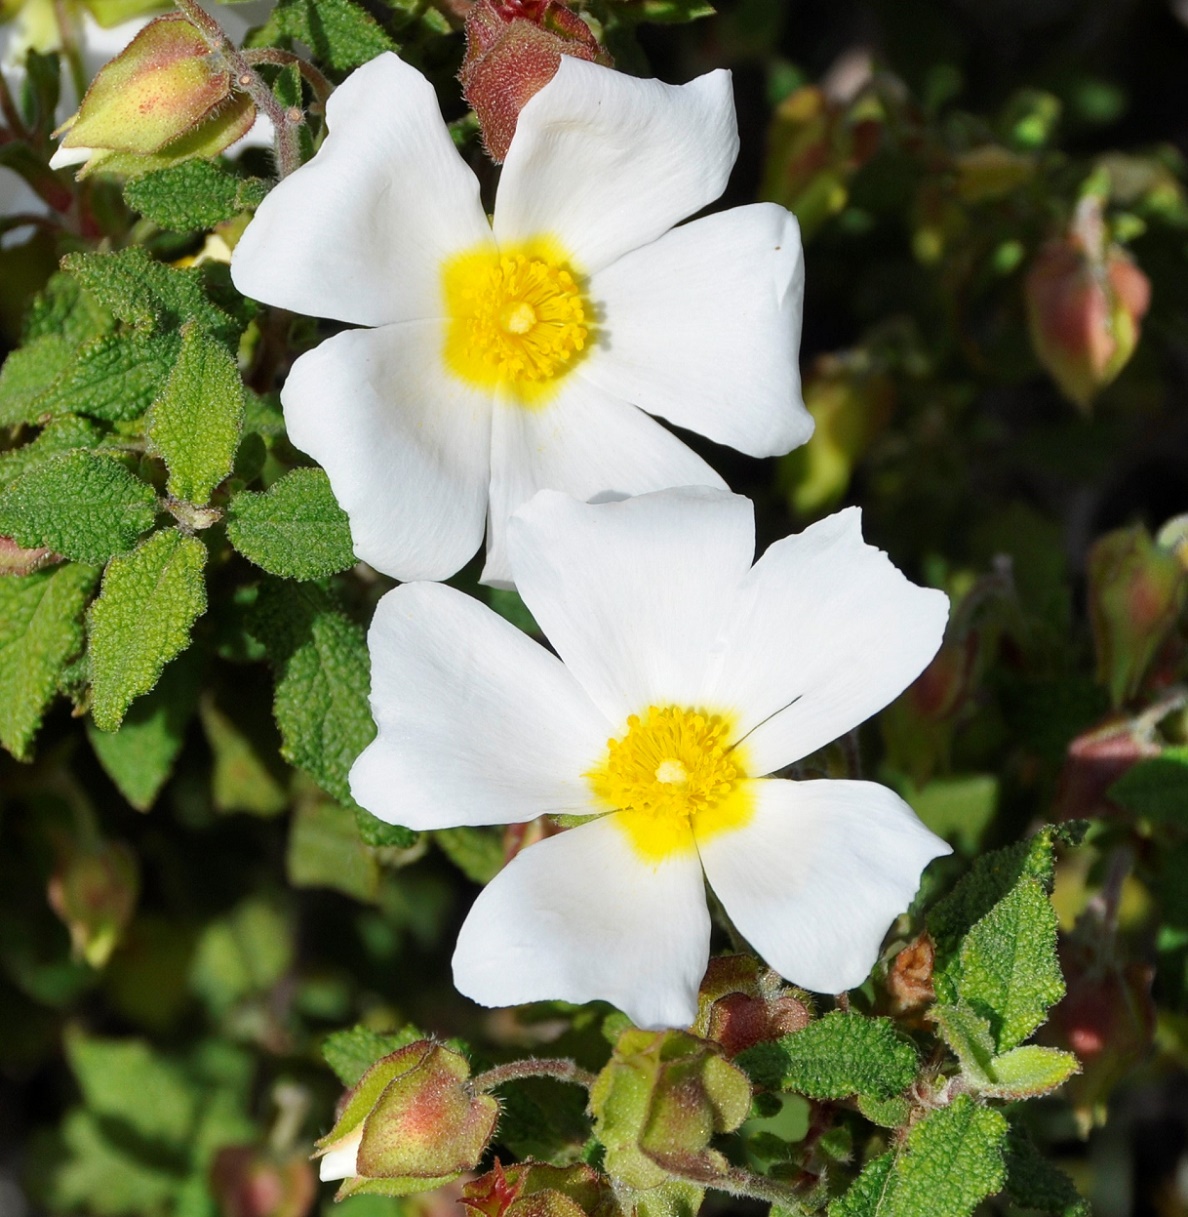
(589, 445)
(340, 1162)
(580, 917)
(825, 632)
(361, 231)
(815, 879)
(406, 447)
(703, 328)
(477, 723)
(634, 594)
(605, 162)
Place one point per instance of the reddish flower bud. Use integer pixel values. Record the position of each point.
(534, 1189)
(1085, 303)
(163, 99)
(1095, 760)
(1136, 593)
(513, 49)
(743, 1003)
(93, 890)
(247, 1181)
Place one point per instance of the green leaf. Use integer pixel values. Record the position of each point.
(865, 1196)
(1009, 970)
(27, 373)
(60, 435)
(340, 33)
(325, 851)
(1030, 1071)
(40, 630)
(80, 504)
(196, 422)
(149, 295)
(322, 686)
(295, 529)
(968, 1034)
(952, 1160)
(477, 852)
(64, 310)
(836, 1056)
(195, 194)
(377, 833)
(149, 600)
(1156, 788)
(140, 756)
(352, 1052)
(115, 377)
(245, 952)
(248, 773)
(957, 808)
(1034, 1183)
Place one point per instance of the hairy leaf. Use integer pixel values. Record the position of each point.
(80, 504)
(1156, 788)
(149, 600)
(295, 528)
(41, 628)
(196, 422)
(836, 1056)
(60, 435)
(1034, 1183)
(340, 32)
(194, 194)
(115, 377)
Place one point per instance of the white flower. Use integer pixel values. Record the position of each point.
(686, 679)
(520, 353)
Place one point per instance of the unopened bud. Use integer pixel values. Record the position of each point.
(909, 979)
(1085, 303)
(1095, 760)
(513, 49)
(1136, 592)
(247, 1181)
(165, 98)
(659, 1101)
(742, 1003)
(411, 1124)
(93, 890)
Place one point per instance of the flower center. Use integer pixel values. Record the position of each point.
(672, 778)
(516, 318)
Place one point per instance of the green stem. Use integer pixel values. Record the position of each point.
(741, 1182)
(286, 120)
(534, 1067)
(321, 87)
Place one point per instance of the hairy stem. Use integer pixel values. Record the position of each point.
(534, 1067)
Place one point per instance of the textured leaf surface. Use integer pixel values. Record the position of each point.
(149, 600)
(325, 851)
(40, 630)
(352, 1052)
(196, 422)
(80, 504)
(952, 1160)
(323, 682)
(1009, 970)
(865, 1196)
(27, 373)
(115, 377)
(1034, 1183)
(149, 295)
(140, 756)
(374, 831)
(834, 1057)
(1029, 1071)
(60, 435)
(195, 194)
(339, 32)
(295, 528)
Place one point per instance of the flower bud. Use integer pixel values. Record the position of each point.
(411, 1124)
(93, 890)
(535, 1189)
(247, 1181)
(909, 979)
(743, 1003)
(657, 1103)
(1085, 303)
(1094, 761)
(513, 49)
(1136, 593)
(16, 560)
(165, 98)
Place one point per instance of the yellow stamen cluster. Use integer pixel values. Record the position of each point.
(516, 317)
(672, 775)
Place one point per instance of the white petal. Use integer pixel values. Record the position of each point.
(703, 328)
(406, 446)
(818, 875)
(477, 723)
(633, 594)
(64, 157)
(360, 232)
(825, 632)
(606, 162)
(588, 444)
(339, 1163)
(579, 917)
